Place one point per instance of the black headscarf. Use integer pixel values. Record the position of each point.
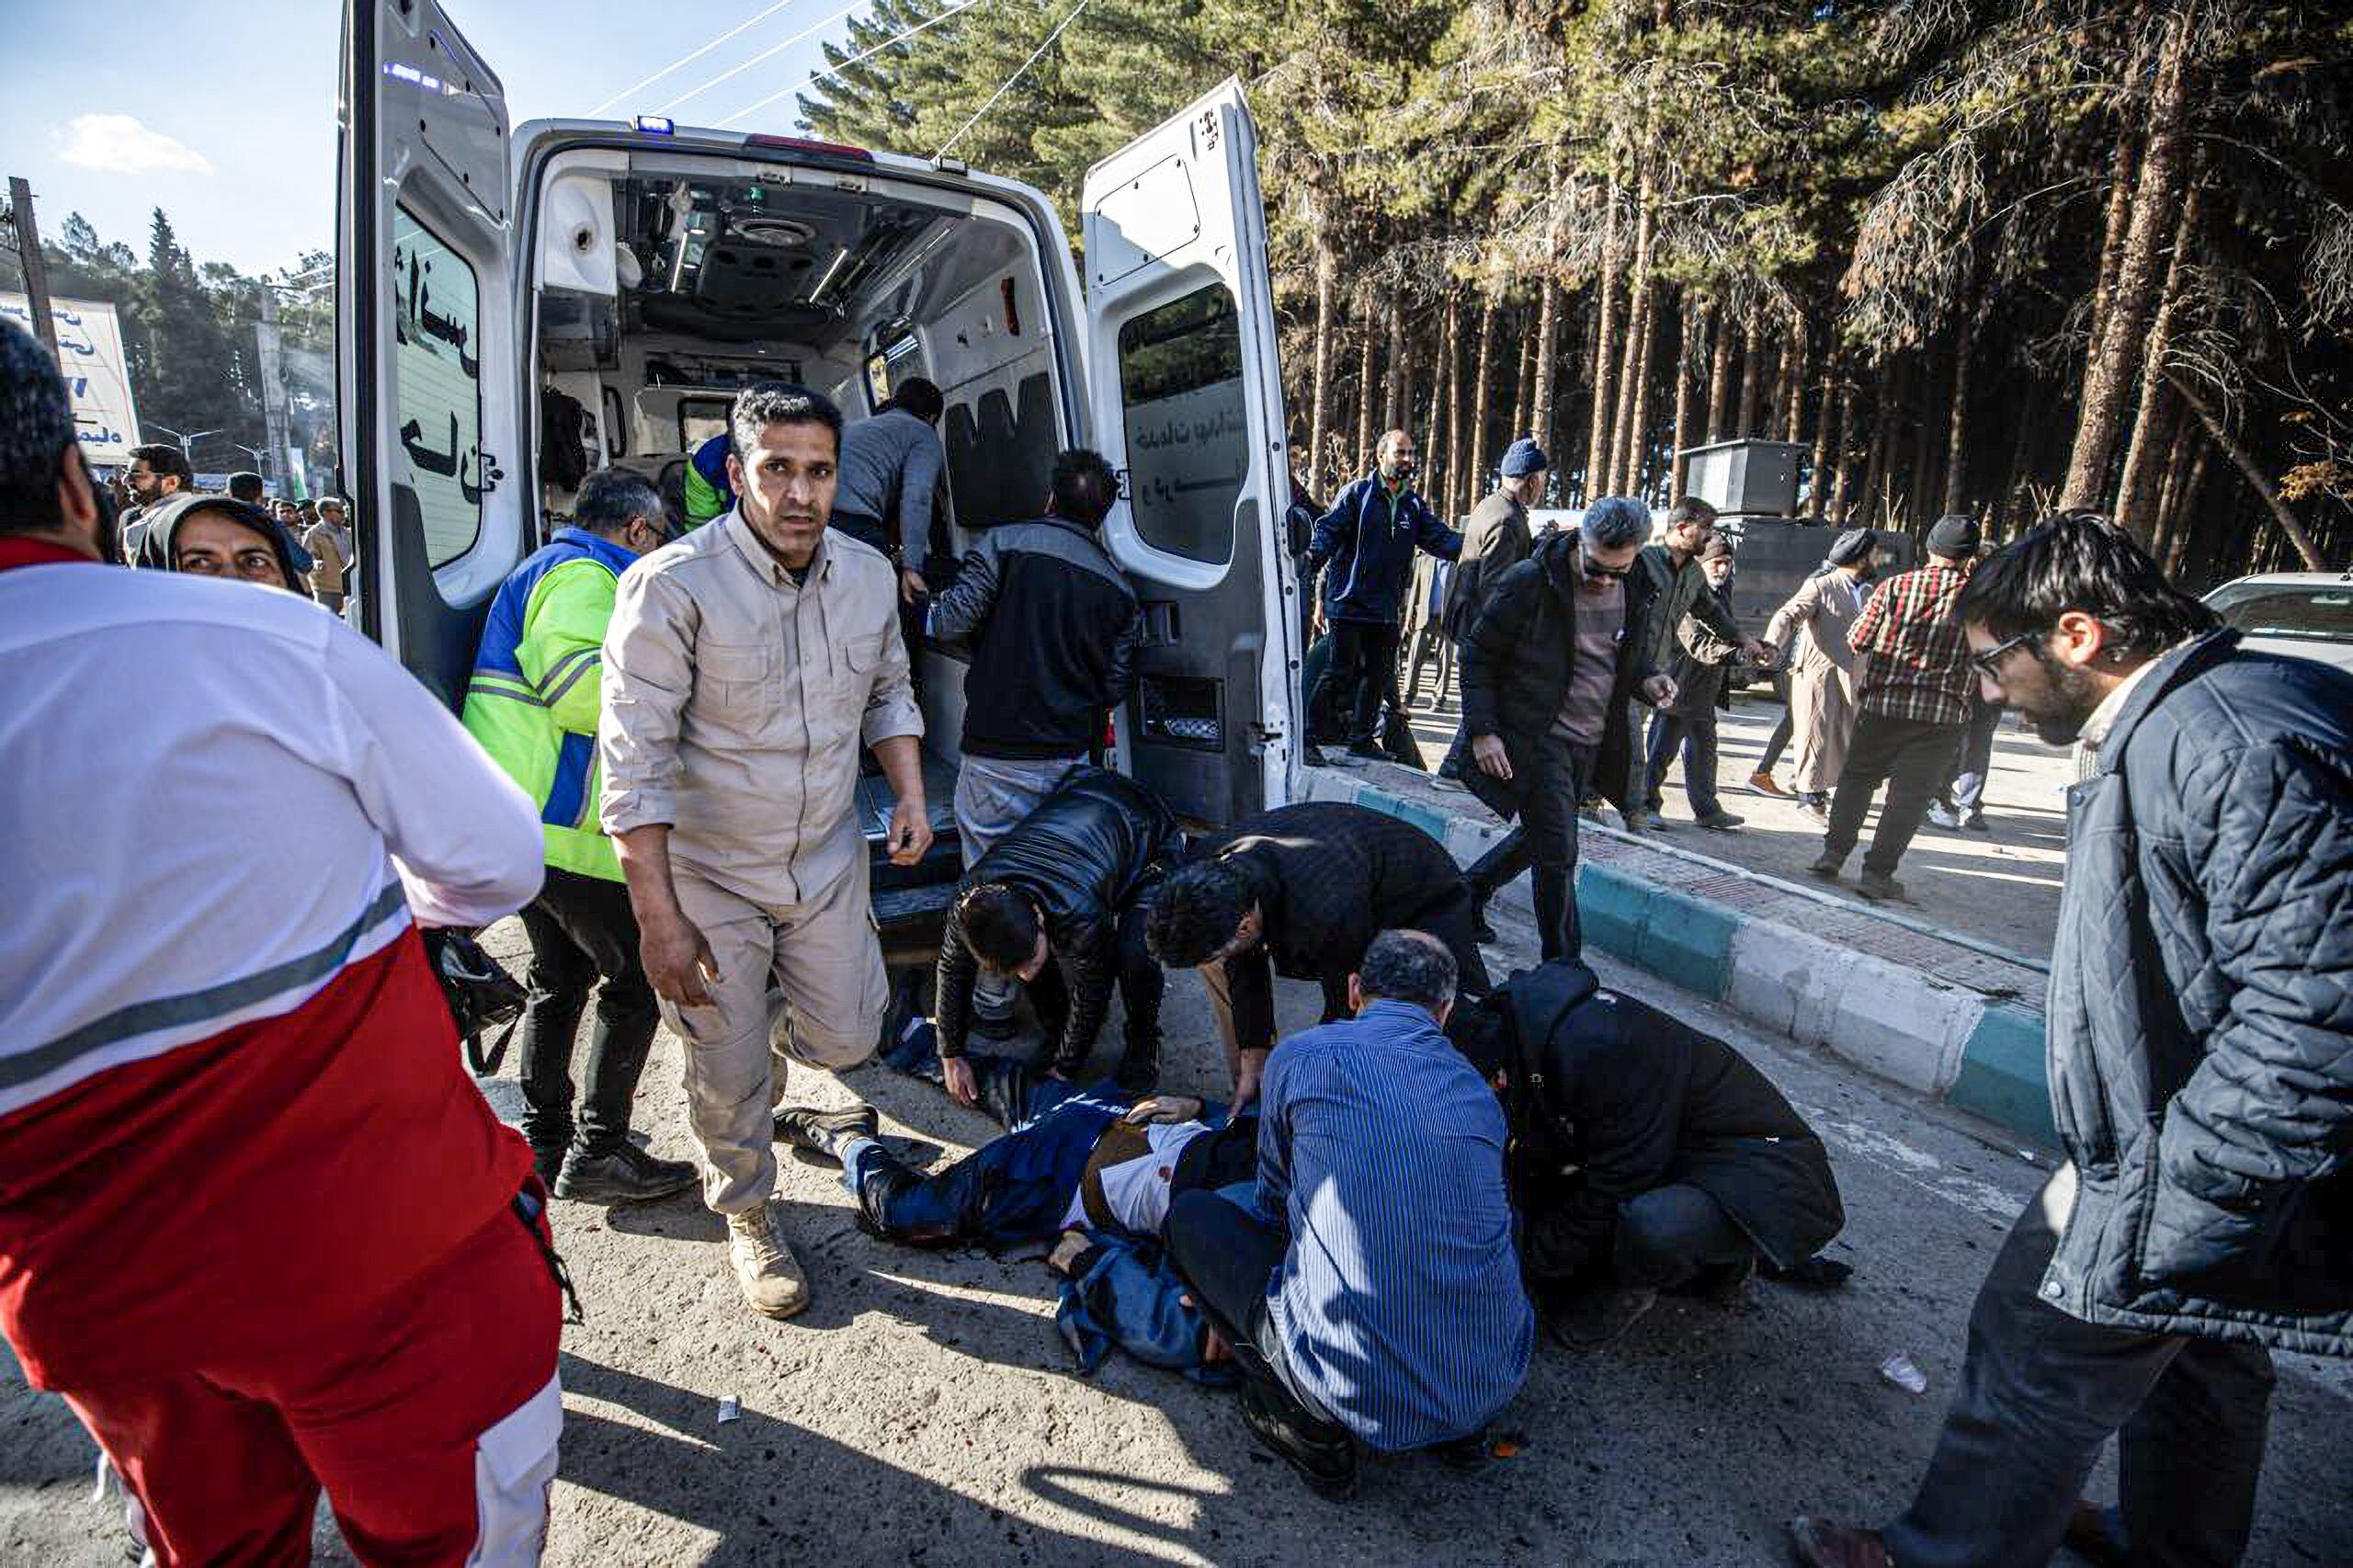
(159, 540)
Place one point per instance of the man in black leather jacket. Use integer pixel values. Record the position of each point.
(1059, 905)
(1644, 1155)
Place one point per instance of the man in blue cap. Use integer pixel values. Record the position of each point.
(1495, 536)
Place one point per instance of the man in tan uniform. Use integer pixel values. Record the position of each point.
(744, 664)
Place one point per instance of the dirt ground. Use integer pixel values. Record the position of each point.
(2000, 888)
(925, 1412)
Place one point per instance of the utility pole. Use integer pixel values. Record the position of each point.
(273, 390)
(20, 206)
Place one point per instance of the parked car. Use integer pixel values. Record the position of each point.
(2306, 615)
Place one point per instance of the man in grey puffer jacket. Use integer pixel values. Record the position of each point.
(2200, 1057)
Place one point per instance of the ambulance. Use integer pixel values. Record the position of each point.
(507, 294)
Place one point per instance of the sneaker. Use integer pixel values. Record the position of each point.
(1594, 1318)
(1326, 1458)
(1721, 822)
(1764, 785)
(548, 1163)
(1942, 816)
(824, 1131)
(1975, 823)
(627, 1174)
(1827, 866)
(1819, 811)
(771, 1280)
(1878, 886)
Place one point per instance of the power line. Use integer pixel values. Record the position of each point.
(697, 54)
(1045, 44)
(764, 54)
(961, 5)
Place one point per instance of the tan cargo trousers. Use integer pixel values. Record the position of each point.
(803, 981)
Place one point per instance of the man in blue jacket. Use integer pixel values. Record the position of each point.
(1368, 540)
(2200, 1059)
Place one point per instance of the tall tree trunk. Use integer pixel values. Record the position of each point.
(2156, 201)
(1623, 441)
(1817, 491)
(1456, 351)
(1475, 469)
(1396, 392)
(1752, 357)
(1923, 488)
(2111, 245)
(2144, 461)
(1597, 463)
(1687, 388)
(1957, 423)
(1523, 405)
(1636, 459)
(1720, 376)
(2253, 473)
(1793, 366)
(2186, 513)
(1319, 400)
(1367, 392)
(2022, 451)
(1434, 460)
(2182, 433)
(1883, 415)
(1843, 454)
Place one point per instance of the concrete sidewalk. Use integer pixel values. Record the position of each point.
(1936, 1010)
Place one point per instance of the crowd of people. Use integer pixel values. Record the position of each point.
(352, 1284)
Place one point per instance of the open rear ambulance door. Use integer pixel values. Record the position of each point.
(428, 395)
(1187, 405)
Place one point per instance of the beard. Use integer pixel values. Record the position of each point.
(2063, 706)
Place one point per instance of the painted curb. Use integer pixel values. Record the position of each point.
(1902, 1024)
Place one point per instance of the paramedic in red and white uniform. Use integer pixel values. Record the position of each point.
(258, 1226)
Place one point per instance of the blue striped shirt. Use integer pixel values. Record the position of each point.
(1399, 1304)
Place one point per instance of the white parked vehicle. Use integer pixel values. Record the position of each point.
(633, 276)
(2305, 615)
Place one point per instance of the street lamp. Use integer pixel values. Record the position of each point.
(187, 438)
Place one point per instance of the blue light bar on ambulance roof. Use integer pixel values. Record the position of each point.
(655, 125)
(803, 145)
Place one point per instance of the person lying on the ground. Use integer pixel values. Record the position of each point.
(1371, 1291)
(1645, 1154)
(1070, 1157)
(1059, 903)
(1300, 890)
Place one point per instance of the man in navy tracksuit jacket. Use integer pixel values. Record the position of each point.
(1368, 538)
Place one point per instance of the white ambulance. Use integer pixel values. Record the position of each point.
(627, 277)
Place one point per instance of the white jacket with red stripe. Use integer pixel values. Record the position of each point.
(226, 812)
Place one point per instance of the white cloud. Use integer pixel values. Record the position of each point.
(118, 143)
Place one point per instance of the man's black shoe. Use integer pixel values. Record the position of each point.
(824, 1131)
(1311, 756)
(1593, 1318)
(1975, 823)
(627, 1174)
(1463, 1453)
(1326, 1458)
(1368, 751)
(549, 1163)
(1140, 1068)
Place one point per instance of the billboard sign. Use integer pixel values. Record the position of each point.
(89, 351)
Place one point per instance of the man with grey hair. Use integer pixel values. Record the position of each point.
(1557, 651)
(329, 542)
(745, 664)
(1371, 1294)
(534, 703)
(1687, 621)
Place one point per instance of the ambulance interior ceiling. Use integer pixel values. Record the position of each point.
(732, 265)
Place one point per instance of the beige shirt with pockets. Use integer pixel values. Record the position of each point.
(736, 700)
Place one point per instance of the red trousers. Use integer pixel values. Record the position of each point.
(430, 1419)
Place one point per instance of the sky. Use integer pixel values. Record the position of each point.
(222, 111)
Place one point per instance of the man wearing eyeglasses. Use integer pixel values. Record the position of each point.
(2200, 1061)
(1685, 621)
(533, 703)
(1912, 712)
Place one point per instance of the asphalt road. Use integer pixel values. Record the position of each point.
(925, 1412)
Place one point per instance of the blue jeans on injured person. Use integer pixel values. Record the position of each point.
(992, 794)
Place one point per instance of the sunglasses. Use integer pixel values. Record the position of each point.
(1989, 661)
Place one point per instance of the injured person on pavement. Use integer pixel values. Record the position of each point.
(1645, 1156)
(1091, 1169)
